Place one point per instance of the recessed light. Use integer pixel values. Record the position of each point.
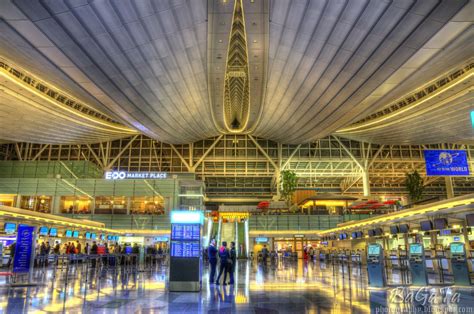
(220, 40)
(254, 40)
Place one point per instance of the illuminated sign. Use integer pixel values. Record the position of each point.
(121, 175)
(186, 217)
(261, 240)
(472, 118)
(446, 163)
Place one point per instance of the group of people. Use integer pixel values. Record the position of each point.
(227, 262)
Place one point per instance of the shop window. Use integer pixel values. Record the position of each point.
(143, 205)
(75, 205)
(7, 199)
(40, 204)
(111, 205)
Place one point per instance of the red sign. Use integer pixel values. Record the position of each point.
(101, 249)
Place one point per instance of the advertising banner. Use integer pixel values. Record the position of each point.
(446, 162)
(24, 249)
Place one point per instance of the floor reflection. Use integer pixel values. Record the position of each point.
(285, 287)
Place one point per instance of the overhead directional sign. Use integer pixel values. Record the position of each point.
(446, 162)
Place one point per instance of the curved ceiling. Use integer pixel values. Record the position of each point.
(32, 111)
(180, 71)
(326, 57)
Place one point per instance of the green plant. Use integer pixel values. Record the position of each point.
(289, 181)
(414, 185)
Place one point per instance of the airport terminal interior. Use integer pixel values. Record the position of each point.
(236, 156)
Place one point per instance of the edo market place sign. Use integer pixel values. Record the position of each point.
(121, 175)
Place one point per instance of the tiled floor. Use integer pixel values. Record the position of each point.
(285, 288)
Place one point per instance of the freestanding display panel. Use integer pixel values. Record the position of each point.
(459, 264)
(375, 265)
(185, 251)
(417, 265)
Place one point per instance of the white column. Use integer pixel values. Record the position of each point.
(366, 182)
(449, 187)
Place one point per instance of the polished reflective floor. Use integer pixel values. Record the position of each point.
(284, 287)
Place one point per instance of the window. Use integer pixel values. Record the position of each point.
(40, 204)
(75, 205)
(146, 205)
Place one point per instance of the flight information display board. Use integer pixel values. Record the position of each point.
(185, 249)
(185, 240)
(185, 232)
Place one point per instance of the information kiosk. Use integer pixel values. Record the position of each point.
(459, 264)
(185, 251)
(416, 258)
(375, 265)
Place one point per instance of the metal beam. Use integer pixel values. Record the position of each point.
(206, 153)
(377, 153)
(109, 165)
(18, 153)
(101, 164)
(181, 157)
(40, 152)
(291, 156)
(349, 152)
(263, 151)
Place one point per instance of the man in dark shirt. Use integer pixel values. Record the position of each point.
(232, 262)
(224, 256)
(212, 255)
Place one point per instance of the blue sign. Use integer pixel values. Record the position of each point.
(446, 162)
(261, 240)
(23, 249)
(472, 118)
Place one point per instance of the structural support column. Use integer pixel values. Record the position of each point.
(449, 187)
(366, 182)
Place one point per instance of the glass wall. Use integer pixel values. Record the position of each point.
(7, 199)
(75, 205)
(40, 204)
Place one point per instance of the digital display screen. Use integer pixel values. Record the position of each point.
(403, 228)
(393, 229)
(341, 236)
(440, 223)
(446, 162)
(378, 231)
(374, 250)
(93, 236)
(53, 232)
(102, 236)
(354, 235)
(128, 250)
(185, 232)
(110, 238)
(445, 232)
(68, 233)
(185, 249)
(359, 234)
(75, 234)
(371, 233)
(426, 225)
(43, 231)
(416, 249)
(457, 248)
(88, 235)
(9, 227)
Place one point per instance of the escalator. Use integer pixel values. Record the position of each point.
(234, 232)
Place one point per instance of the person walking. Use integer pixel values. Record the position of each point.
(264, 255)
(212, 255)
(223, 256)
(232, 262)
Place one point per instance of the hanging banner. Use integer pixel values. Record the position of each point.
(23, 249)
(446, 162)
